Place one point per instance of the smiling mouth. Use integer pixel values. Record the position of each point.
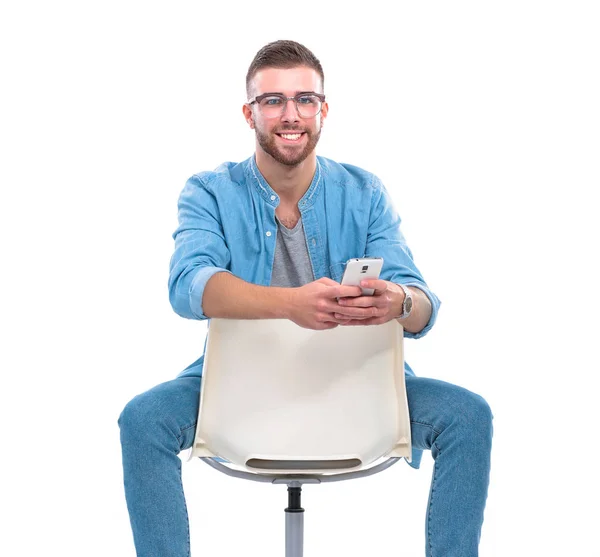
(291, 137)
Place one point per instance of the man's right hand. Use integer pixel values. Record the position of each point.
(313, 305)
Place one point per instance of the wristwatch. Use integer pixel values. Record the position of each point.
(407, 305)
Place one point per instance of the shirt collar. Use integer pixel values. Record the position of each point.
(269, 194)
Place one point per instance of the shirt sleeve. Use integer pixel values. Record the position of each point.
(200, 248)
(385, 239)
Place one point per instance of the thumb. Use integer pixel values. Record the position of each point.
(328, 281)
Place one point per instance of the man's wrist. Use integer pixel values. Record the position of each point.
(284, 301)
(421, 312)
(406, 306)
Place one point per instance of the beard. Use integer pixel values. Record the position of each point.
(287, 156)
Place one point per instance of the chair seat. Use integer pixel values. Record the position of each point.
(277, 398)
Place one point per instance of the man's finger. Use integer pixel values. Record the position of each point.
(328, 281)
(340, 291)
(359, 313)
(380, 286)
(359, 302)
(363, 322)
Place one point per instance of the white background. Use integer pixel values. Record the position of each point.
(482, 119)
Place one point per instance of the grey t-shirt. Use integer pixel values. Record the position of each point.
(291, 266)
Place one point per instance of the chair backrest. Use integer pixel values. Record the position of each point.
(279, 398)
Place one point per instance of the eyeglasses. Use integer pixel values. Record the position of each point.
(272, 105)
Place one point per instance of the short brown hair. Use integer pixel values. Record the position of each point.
(285, 55)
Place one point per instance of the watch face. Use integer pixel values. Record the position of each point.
(407, 305)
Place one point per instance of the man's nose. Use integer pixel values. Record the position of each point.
(290, 111)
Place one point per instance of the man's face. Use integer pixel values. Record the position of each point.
(290, 151)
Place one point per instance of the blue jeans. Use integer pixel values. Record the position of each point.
(455, 424)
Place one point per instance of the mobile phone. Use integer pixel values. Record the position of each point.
(362, 268)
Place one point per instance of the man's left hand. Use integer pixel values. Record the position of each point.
(384, 305)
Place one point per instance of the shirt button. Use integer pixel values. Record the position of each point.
(314, 242)
(268, 233)
(273, 198)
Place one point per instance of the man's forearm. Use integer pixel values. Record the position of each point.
(228, 296)
(420, 314)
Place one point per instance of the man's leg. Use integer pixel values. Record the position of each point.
(456, 425)
(155, 427)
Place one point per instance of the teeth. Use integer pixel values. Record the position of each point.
(292, 137)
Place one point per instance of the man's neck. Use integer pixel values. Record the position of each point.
(289, 182)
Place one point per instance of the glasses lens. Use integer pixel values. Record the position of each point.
(272, 106)
(308, 105)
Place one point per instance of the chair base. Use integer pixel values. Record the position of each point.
(294, 513)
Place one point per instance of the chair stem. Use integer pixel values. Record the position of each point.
(294, 523)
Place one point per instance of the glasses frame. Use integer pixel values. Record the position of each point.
(259, 98)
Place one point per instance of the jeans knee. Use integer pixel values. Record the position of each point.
(135, 418)
(477, 416)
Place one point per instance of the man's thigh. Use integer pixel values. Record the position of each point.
(435, 404)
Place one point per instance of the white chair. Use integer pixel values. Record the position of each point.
(283, 404)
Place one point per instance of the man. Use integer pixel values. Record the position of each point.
(268, 238)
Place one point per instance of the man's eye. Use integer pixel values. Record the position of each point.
(307, 99)
(271, 101)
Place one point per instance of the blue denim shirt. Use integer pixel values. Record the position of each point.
(227, 223)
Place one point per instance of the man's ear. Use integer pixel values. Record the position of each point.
(324, 112)
(248, 115)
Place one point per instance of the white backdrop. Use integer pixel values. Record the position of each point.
(482, 120)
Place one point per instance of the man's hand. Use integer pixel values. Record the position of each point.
(384, 305)
(315, 305)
